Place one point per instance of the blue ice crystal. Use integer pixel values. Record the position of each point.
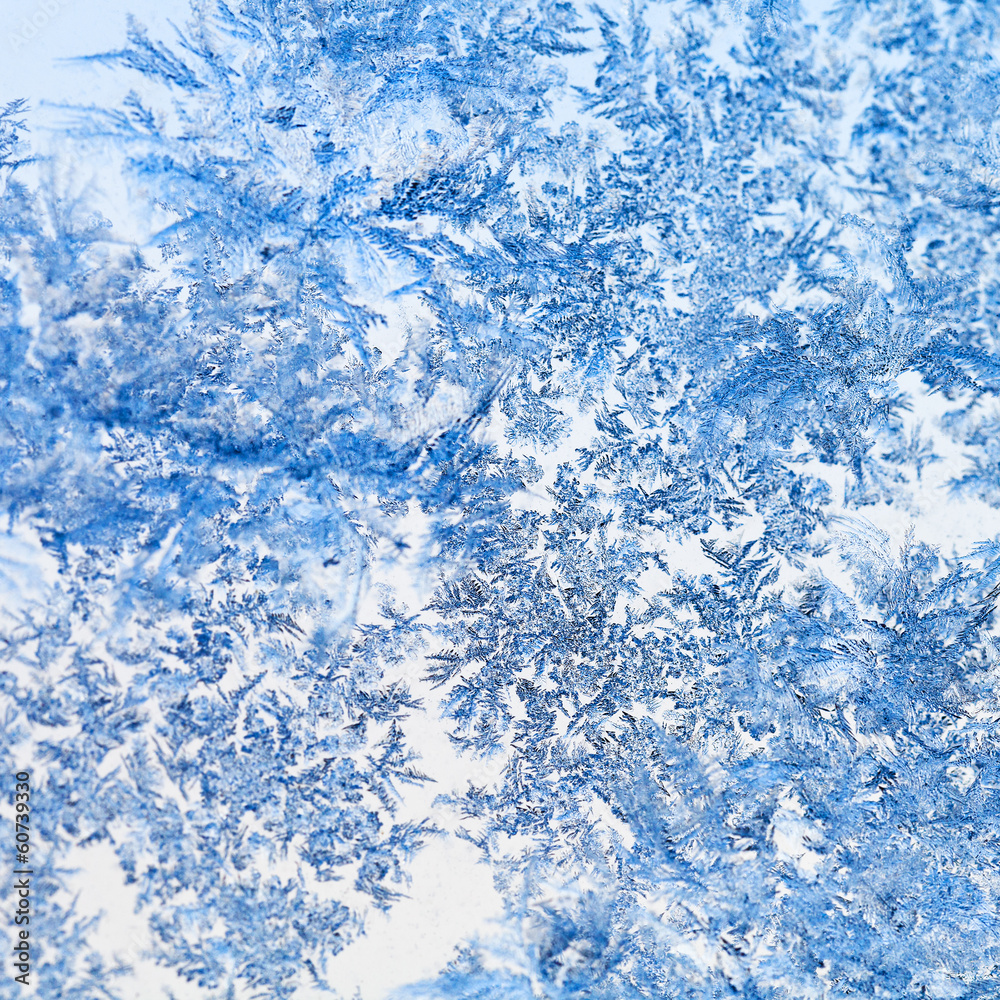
(610, 387)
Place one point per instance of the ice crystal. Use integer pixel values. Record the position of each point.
(545, 372)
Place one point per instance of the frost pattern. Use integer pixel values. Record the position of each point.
(543, 369)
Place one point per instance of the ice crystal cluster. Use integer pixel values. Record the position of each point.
(605, 393)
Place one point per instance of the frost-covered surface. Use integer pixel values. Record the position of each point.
(557, 440)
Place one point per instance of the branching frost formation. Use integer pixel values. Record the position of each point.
(609, 330)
